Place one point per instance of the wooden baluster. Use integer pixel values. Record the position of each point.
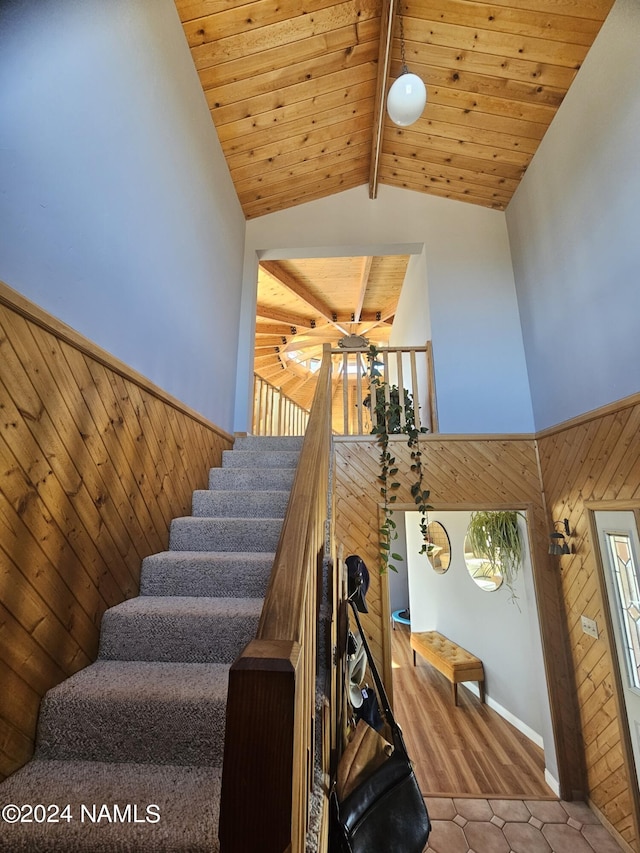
(345, 392)
(359, 391)
(401, 400)
(414, 387)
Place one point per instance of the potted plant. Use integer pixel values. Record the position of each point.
(494, 536)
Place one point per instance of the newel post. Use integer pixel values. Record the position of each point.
(260, 751)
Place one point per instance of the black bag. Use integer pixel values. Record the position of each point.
(386, 812)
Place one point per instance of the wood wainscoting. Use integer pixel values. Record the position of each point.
(463, 472)
(95, 462)
(590, 460)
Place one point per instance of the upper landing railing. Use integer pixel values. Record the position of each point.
(352, 406)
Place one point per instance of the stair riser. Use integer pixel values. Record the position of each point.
(180, 639)
(166, 731)
(228, 504)
(266, 459)
(251, 478)
(212, 534)
(200, 574)
(270, 442)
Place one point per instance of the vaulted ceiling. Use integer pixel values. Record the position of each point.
(295, 89)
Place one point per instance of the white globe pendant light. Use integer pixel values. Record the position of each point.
(406, 99)
(407, 95)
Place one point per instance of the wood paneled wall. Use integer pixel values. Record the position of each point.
(463, 473)
(94, 463)
(594, 460)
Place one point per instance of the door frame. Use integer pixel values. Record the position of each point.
(621, 709)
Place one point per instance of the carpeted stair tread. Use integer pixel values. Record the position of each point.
(239, 503)
(187, 800)
(148, 712)
(257, 479)
(269, 442)
(259, 458)
(233, 574)
(179, 628)
(224, 534)
(145, 724)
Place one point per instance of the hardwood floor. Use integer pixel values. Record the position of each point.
(464, 750)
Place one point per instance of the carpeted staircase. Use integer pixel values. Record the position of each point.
(144, 726)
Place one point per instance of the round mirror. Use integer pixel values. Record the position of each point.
(438, 547)
(488, 577)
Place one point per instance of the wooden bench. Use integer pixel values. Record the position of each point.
(454, 662)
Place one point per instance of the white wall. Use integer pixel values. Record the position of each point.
(575, 239)
(478, 350)
(504, 636)
(117, 211)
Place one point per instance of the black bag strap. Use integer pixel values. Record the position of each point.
(382, 693)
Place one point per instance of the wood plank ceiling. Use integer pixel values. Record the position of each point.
(293, 90)
(305, 303)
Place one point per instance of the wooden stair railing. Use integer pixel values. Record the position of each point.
(274, 413)
(269, 743)
(410, 368)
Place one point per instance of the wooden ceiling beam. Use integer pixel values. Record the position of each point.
(288, 280)
(268, 313)
(275, 329)
(387, 24)
(364, 281)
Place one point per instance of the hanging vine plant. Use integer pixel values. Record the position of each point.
(494, 536)
(386, 414)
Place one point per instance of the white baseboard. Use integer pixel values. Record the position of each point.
(508, 716)
(552, 782)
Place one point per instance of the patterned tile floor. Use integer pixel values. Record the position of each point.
(515, 826)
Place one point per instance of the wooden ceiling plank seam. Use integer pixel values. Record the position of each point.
(405, 166)
(327, 102)
(492, 105)
(281, 162)
(303, 127)
(562, 54)
(299, 143)
(306, 90)
(469, 83)
(483, 120)
(284, 32)
(496, 193)
(282, 201)
(594, 9)
(450, 194)
(306, 186)
(523, 70)
(295, 171)
(506, 19)
(249, 17)
(188, 10)
(433, 157)
(290, 63)
(441, 142)
(502, 142)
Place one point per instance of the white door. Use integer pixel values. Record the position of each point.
(620, 549)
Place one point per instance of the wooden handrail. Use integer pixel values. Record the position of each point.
(269, 741)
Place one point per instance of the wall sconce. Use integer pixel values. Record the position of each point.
(557, 542)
